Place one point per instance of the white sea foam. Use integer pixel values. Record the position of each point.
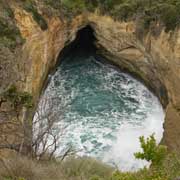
(127, 143)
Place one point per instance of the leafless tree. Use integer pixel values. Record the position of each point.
(48, 127)
(47, 130)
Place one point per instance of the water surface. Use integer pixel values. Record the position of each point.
(104, 110)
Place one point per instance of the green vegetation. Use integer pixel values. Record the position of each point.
(165, 11)
(69, 7)
(10, 35)
(148, 11)
(18, 98)
(73, 169)
(31, 7)
(169, 170)
(74, 6)
(151, 151)
(83, 168)
(89, 169)
(53, 4)
(163, 166)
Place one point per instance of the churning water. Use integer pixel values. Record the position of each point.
(104, 110)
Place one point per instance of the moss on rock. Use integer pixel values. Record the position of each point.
(17, 98)
(10, 36)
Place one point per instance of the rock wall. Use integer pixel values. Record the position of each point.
(42, 48)
(154, 59)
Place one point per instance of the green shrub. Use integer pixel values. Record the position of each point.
(55, 4)
(117, 175)
(74, 6)
(170, 16)
(18, 98)
(151, 151)
(8, 42)
(166, 11)
(9, 34)
(72, 169)
(84, 168)
(123, 11)
(96, 178)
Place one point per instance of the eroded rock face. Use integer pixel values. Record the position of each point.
(155, 60)
(43, 47)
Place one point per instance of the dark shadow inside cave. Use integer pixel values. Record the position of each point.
(84, 43)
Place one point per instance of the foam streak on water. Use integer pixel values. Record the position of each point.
(106, 111)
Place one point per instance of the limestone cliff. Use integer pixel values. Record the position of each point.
(155, 59)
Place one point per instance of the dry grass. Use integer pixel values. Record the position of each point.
(22, 168)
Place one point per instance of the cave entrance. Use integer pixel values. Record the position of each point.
(84, 43)
(102, 110)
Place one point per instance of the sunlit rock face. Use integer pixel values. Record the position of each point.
(103, 110)
(153, 58)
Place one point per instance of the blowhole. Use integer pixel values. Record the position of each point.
(104, 111)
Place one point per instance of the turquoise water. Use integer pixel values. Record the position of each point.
(103, 109)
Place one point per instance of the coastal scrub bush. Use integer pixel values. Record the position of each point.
(83, 168)
(170, 15)
(18, 98)
(123, 11)
(9, 34)
(72, 169)
(166, 12)
(151, 151)
(74, 6)
(55, 4)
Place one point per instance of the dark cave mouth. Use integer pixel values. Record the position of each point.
(85, 39)
(84, 43)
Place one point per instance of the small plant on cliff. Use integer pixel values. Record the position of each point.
(149, 12)
(53, 4)
(74, 6)
(10, 35)
(151, 151)
(18, 98)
